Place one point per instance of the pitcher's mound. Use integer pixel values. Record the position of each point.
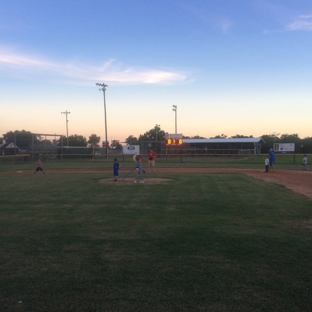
(122, 181)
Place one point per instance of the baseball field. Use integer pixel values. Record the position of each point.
(187, 239)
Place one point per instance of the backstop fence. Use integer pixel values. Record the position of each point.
(50, 147)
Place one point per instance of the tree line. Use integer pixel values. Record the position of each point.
(23, 139)
(302, 145)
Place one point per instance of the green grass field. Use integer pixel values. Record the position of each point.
(204, 242)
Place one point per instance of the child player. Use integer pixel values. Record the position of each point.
(139, 160)
(39, 166)
(116, 168)
(151, 159)
(267, 164)
(305, 162)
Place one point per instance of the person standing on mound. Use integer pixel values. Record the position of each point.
(39, 166)
(116, 169)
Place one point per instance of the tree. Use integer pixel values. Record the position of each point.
(240, 136)
(73, 140)
(306, 146)
(61, 141)
(131, 140)
(94, 140)
(222, 136)
(115, 145)
(269, 140)
(155, 134)
(290, 138)
(23, 139)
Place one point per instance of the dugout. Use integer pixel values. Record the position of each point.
(238, 146)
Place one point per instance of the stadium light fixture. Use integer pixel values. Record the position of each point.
(66, 113)
(103, 88)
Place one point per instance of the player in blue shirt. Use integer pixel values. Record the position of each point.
(271, 159)
(116, 168)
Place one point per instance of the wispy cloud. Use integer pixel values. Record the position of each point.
(226, 25)
(110, 71)
(303, 22)
(217, 22)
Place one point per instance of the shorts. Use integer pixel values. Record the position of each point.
(151, 163)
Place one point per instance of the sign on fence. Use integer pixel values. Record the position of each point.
(284, 147)
(131, 149)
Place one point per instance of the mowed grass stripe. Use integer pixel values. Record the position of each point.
(212, 242)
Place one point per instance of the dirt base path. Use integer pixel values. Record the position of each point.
(298, 181)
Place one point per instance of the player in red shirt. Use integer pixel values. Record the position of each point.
(151, 159)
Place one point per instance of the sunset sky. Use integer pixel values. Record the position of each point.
(231, 67)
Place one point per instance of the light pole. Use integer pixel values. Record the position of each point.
(156, 128)
(66, 113)
(103, 88)
(175, 109)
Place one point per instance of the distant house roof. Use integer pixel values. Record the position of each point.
(8, 145)
(9, 148)
(236, 140)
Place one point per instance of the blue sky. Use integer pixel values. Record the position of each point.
(231, 67)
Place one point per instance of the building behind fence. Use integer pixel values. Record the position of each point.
(48, 149)
(207, 146)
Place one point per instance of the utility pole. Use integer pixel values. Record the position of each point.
(103, 88)
(66, 113)
(156, 128)
(175, 109)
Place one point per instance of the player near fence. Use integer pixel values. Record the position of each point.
(151, 159)
(39, 167)
(305, 162)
